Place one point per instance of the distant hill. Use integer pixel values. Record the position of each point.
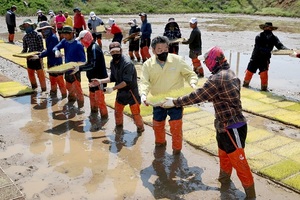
(288, 8)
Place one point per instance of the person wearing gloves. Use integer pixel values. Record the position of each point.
(162, 73)
(74, 52)
(146, 31)
(134, 41)
(124, 74)
(93, 22)
(223, 89)
(95, 69)
(115, 30)
(56, 79)
(32, 41)
(195, 46)
(261, 54)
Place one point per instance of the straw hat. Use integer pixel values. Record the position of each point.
(267, 24)
(43, 25)
(27, 21)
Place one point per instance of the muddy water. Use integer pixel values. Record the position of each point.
(51, 152)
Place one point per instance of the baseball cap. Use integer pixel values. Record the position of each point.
(92, 14)
(142, 14)
(193, 20)
(114, 46)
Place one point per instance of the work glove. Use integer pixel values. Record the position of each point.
(294, 54)
(34, 57)
(108, 90)
(193, 86)
(94, 82)
(57, 54)
(144, 100)
(168, 103)
(75, 69)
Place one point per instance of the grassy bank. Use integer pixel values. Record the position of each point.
(288, 8)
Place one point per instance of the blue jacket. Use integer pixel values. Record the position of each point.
(51, 42)
(146, 30)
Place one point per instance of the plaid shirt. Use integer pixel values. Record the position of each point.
(223, 90)
(32, 42)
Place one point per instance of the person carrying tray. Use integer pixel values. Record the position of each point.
(32, 41)
(74, 52)
(95, 68)
(172, 32)
(260, 58)
(56, 79)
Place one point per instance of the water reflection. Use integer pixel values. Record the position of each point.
(174, 178)
(122, 139)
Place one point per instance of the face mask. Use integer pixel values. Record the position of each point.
(132, 25)
(163, 56)
(93, 18)
(47, 32)
(28, 29)
(116, 57)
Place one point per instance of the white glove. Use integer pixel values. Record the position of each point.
(108, 90)
(95, 82)
(57, 54)
(193, 86)
(294, 54)
(75, 69)
(144, 100)
(34, 57)
(168, 103)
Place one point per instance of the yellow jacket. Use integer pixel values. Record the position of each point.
(159, 80)
(69, 21)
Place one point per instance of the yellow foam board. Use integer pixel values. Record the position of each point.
(12, 88)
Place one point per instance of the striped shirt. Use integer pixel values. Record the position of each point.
(223, 90)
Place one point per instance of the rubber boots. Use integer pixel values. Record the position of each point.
(119, 114)
(240, 164)
(145, 53)
(176, 131)
(225, 167)
(250, 192)
(247, 79)
(198, 69)
(137, 118)
(264, 80)
(160, 133)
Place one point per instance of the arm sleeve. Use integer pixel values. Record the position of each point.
(145, 81)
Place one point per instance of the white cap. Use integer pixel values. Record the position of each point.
(39, 11)
(133, 21)
(193, 20)
(111, 21)
(81, 34)
(92, 14)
